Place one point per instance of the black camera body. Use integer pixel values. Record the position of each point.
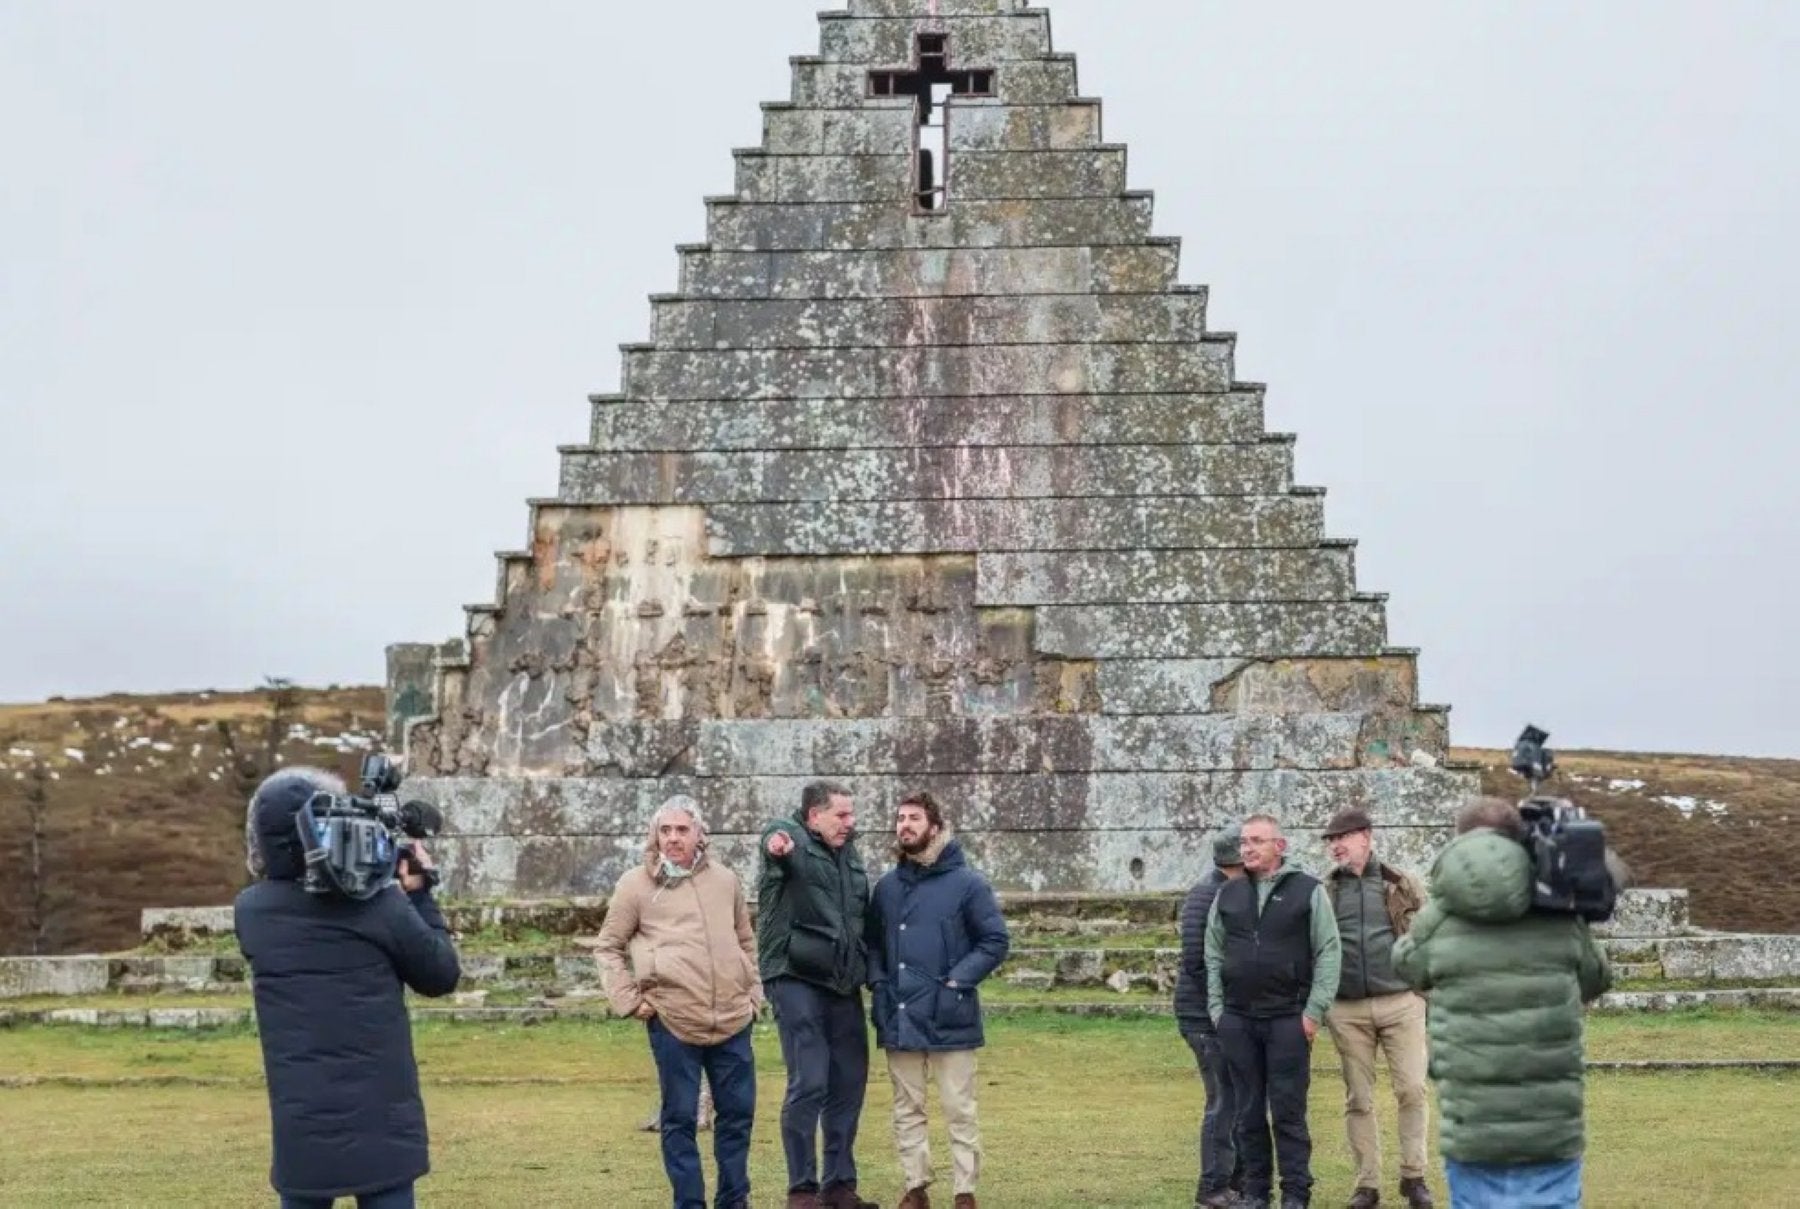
(1568, 849)
(355, 844)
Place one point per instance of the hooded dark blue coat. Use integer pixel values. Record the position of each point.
(329, 980)
(931, 925)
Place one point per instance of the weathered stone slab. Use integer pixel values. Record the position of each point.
(1730, 957)
(1255, 629)
(1017, 860)
(21, 977)
(945, 8)
(172, 925)
(929, 272)
(1031, 801)
(1781, 999)
(870, 130)
(1648, 913)
(1010, 175)
(928, 372)
(1165, 576)
(1023, 127)
(1161, 686)
(1022, 82)
(972, 526)
(915, 747)
(734, 225)
(890, 323)
(979, 472)
(975, 41)
(642, 424)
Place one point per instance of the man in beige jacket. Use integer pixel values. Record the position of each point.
(677, 952)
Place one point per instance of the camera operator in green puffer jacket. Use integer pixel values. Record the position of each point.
(1506, 987)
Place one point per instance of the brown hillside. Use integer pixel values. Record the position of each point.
(138, 801)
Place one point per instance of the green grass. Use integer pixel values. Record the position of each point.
(1076, 1113)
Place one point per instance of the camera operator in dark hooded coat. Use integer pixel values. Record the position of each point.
(330, 976)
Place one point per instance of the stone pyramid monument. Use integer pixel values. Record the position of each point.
(931, 475)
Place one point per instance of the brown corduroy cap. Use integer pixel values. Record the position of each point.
(1346, 821)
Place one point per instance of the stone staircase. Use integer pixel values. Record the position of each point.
(1082, 953)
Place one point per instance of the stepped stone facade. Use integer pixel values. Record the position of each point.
(931, 475)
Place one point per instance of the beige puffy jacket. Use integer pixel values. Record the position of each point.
(686, 948)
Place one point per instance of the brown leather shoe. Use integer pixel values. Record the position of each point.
(965, 1200)
(1364, 1198)
(916, 1198)
(843, 1196)
(1415, 1193)
(803, 1200)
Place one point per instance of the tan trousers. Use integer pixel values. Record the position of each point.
(955, 1074)
(1394, 1024)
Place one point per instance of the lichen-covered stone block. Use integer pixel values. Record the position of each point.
(1097, 577)
(1091, 420)
(974, 41)
(1258, 629)
(736, 225)
(889, 323)
(929, 272)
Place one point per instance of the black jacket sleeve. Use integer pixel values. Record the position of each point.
(419, 943)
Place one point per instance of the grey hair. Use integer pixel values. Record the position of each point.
(316, 779)
(680, 803)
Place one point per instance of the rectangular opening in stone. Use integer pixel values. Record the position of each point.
(932, 84)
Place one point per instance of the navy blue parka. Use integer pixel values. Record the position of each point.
(931, 925)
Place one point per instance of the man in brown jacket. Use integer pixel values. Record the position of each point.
(1376, 1009)
(677, 952)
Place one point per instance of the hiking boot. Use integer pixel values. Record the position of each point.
(916, 1198)
(1365, 1198)
(965, 1200)
(803, 1200)
(843, 1196)
(1416, 1195)
(1224, 1198)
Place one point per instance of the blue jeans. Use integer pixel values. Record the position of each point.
(1220, 1167)
(730, 1067)
(1532, 1186)
(400, 1197)
(825, 1044)
(1271, 1070)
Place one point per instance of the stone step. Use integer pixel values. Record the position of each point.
(736, 225)
(1785, 999)
(1094, 171)
(929, 272)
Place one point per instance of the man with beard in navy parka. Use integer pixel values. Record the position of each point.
(330, 976)
(935, 932)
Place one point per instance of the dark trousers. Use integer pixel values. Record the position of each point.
(826, 1047)
(1271, 1066)
(400, 1197)
(730, 1067)
(1221, 1167)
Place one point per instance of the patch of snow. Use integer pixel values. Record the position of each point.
(119, 722)
(1688, 805)
(140, 741)
(20, 753)
(1624, 785)
(214, 775)
(195, 753)
(162, 747)
(75, 754)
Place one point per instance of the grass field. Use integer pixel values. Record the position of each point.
(1076, 1113)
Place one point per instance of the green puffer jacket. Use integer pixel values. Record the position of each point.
(1506, 987)
(810, 911)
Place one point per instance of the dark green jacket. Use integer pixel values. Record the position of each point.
(810, 911)
(1506, 988)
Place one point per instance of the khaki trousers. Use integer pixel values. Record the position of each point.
(1394, 1024)
(954, 1071)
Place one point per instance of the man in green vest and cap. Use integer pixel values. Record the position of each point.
(1376, 1009)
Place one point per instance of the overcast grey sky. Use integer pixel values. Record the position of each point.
(297, 301)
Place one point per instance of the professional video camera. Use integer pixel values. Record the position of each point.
(355, 844)
(1568, 849)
